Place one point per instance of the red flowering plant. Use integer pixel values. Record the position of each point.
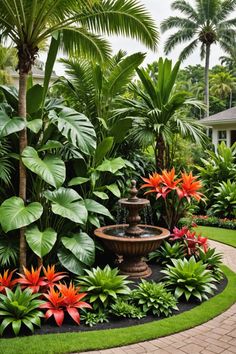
(191, 240)
(176, 193)
(64, 299)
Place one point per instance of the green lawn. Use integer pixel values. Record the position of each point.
(74, 342)
(221, 235)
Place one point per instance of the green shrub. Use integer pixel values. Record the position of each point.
(213, 261)
(103, 286)
(189, 278)
(93, 318)
(167, 251)
(225, 200)
(154, 299)
(20, 307)
(122, 308)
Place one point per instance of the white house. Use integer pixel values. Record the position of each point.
(223, 126)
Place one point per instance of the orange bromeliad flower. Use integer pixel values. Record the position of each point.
(152, 182)
(31, 279)
(6, 281)
(51, 276)
(169, 179)
(190, 187)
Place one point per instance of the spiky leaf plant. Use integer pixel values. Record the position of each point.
(189, 278)
(19, 307)
(213, 260)
(167, 251)
(103, 286)
(154, 299)
(121, 308)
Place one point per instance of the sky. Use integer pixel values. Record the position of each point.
(159, 10)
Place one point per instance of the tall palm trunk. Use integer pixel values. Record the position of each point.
(22, 170)
(206, 91)
(159, 153)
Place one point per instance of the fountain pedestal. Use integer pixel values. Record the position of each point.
(132, 241)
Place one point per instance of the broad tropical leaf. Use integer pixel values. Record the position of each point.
(77, 181)
(41, 243)
(120, 129)
(81, 246)
(51, 169)
(14, 214)
(34, 98)
(101, 195)
(112, 165)
(103, 148)
(113, 188)
(51, 144)
(77, 128)
(95, 207)
(70, 262)
(10, 125)
(66, 203)
(35, 125)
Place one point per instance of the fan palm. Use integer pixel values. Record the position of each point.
(206, 23)
(156, 111)
(28, 23)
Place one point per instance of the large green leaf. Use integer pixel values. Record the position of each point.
(50, 145)
(103, 148)
(70, 262)
(66, 203)
(51, 169)
(34, 98)
(77, 181)
(113, 188)
(95, 207)
(81, 246)
(120, 129)
(11, 95)
(35, 125)
(41, 243)
(10, 125)
(14, 214)
(77, 128)
(112, 165)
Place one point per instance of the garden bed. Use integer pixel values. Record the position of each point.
(49, 327)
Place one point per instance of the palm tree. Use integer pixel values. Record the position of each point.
(71, 24)
(157, 109)
(206, 23)
(222, 85)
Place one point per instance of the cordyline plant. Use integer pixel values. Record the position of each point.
(192, 241)
(176, 193)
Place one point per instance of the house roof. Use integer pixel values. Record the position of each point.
(225, 117)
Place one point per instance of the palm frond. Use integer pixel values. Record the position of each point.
(188, 50)
(177, 38)
(177, 22)
(185, 7)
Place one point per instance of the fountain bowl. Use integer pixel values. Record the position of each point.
(132, 249)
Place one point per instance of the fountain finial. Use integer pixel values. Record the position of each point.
(133, 192)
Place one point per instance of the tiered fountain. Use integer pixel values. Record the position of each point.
(132, 241)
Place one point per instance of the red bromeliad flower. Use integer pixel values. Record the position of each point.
(31, 279)
(179, 233)
(202, 242)
(6, 281)
(153, 182)
(72, 301)
(54, 305)
(51, 277)
(189, 187)
(191, 241)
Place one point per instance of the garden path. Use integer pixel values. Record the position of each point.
(215, 336)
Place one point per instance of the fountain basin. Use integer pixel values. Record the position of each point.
(132, 248)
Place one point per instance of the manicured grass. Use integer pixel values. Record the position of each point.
(221, 235)
(72, 342)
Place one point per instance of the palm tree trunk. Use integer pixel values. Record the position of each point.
(22, 169)
(206, 91)
(159, 153)
(230, 99)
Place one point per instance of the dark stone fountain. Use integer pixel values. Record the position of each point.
(132, 241)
